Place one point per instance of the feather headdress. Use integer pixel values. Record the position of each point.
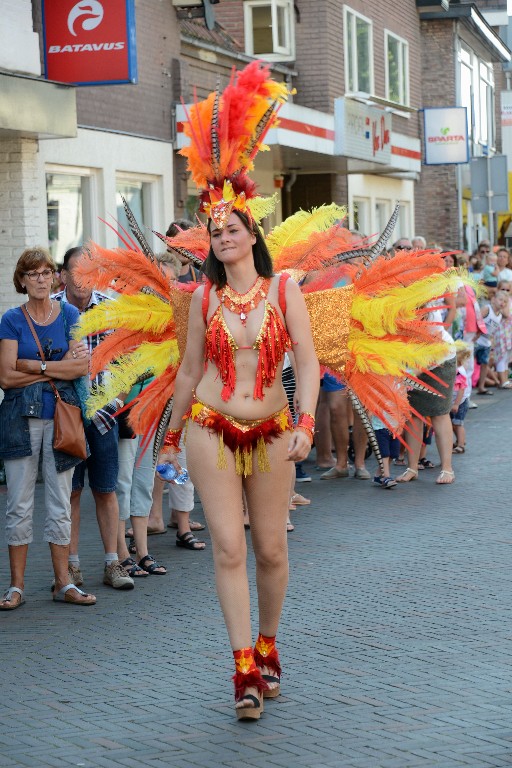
(226, 132)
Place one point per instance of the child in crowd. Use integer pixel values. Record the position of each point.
(491, 314)
(461, 393)
(491, 270)
(389, 447)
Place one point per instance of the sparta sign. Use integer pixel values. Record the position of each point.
(90, 42)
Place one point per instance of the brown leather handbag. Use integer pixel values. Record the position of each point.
(68, 426)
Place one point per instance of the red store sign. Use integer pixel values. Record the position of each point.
(90, 42)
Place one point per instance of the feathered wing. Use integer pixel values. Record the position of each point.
(299, 226)
(144, 326)
(372, 331)
(124, 270)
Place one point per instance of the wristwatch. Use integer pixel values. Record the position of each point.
(43, 367)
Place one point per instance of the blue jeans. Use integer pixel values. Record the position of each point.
(103, 463)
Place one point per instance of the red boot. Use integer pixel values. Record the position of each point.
(248, 675)
(266, 655)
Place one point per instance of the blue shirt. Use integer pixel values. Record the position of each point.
(52, 337)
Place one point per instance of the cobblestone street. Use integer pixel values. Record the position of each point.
(396, 639)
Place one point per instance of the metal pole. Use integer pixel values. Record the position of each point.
(490, 212)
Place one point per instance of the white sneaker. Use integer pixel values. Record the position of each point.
(471, 404)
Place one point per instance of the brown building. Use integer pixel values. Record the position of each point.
(352, 133)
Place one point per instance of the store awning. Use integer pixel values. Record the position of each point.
(36, 108)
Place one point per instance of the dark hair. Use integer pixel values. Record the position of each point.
(76, 251)
(214, 269)
(178, 224)
(452, 256)
(30, 259)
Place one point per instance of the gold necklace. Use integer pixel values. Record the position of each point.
(242, 303)
(42, 322)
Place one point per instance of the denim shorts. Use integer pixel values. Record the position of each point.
(102, 465)
(330, 383)
(458, 418)
(482, 355)
(389, 446)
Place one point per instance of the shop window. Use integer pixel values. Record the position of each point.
(382, 214)
(361, 215)
(269, 30)
(358, 53)
(68, 205)
(397, 69)
(137, 195)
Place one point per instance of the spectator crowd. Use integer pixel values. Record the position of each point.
(132, 503)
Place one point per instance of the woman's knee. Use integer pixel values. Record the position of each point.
(272, 556)
(229, 554)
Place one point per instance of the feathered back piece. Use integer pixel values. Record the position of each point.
(124, 270)
(382, 330)
(226, 132)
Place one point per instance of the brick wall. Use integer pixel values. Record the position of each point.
(319, 44)
(436, 193)
(20, 210)
(143, 109)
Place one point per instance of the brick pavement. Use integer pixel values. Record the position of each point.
(395, 641)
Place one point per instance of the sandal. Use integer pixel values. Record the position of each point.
(134, 570)
(150, 565)
(150, 532)
(194, 525)
(189, 541)
(289, 527)
(132, 549)
(458, 449)
(426, 464)
(401, 478)
(299, 500)
(445, 473)
(399, 462)
(7, 598)
(64, 596)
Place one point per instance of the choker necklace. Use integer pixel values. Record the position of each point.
(42, 322)
(242, 303)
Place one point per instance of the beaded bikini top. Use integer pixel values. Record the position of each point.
(271, 343)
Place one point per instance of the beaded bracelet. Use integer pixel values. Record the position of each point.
(306, 422)
(172, 438)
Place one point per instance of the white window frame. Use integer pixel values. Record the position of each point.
(149, 199)
(363, 205)
(349, 29)
(90, 207)
(279, 53)
(480, 74)
(403, 55)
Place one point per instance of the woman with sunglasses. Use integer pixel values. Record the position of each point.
(26, 422)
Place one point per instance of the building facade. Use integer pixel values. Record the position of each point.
(352, 132)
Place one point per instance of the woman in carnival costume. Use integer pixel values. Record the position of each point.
(224, 378)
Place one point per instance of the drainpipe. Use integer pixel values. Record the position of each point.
(288, 192)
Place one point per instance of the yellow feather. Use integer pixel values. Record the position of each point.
(261, 207)
(393, 357)
(139, 313)
(122, 374)
(379, 314)
(299, 226)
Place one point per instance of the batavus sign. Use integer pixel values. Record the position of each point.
(90, 42)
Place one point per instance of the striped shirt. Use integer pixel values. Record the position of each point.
(102, 418)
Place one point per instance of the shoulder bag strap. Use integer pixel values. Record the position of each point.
(39, 347)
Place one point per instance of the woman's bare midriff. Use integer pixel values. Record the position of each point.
(242, 404)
